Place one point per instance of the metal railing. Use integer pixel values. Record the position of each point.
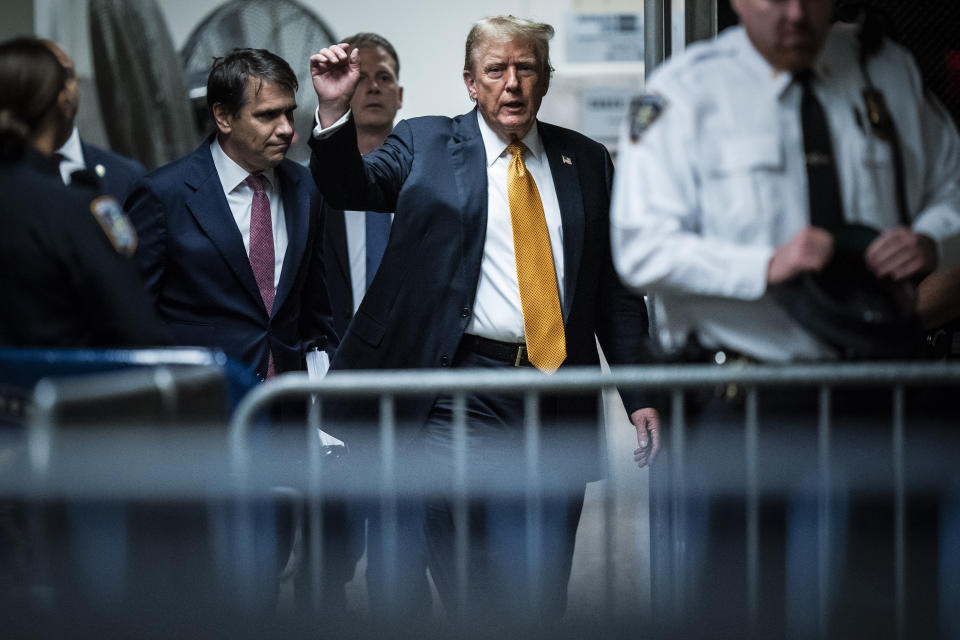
(387, 386)
(245, 471)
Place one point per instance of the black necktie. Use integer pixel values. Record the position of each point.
(823, 185)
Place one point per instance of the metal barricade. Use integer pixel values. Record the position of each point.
(181, 465)
(672, 618)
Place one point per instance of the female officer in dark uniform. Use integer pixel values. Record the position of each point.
(66, 278)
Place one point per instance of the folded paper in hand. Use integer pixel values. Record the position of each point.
(318, 363)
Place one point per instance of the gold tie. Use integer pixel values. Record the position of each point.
(539, 297)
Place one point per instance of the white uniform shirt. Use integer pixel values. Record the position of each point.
(718, 181)
(240, 199)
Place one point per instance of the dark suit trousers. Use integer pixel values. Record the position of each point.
(507, 578)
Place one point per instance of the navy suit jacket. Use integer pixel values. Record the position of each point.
(192, 258)
(120, 174)
(337, 262)
(432, 173)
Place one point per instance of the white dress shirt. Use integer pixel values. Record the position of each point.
(712, 186)
(497, 313)
(355, 223)
(72, 154)
(240, 199)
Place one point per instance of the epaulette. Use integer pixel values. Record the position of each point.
(115, 224)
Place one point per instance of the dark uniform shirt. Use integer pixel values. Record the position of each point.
(66, 279)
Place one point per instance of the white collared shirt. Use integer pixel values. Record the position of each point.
(497, 313)
(240, 199)
(72, 154)
(355, 225)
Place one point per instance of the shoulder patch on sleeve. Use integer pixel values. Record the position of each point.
(644, 110)
(115, 224)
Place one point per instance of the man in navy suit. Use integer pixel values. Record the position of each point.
(230, 247)
(107, 172)
(447, 295)
(199, 223)
(353, 241)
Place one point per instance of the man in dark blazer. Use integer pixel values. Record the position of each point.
(109, 173)
(351, 254)
(197, 223)
(353, 243)
(447, 295)
(230, 248)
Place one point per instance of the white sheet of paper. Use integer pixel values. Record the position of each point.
(318, 363)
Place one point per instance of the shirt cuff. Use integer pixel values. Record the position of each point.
(319, 132)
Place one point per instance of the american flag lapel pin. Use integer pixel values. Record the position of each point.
(566, 160)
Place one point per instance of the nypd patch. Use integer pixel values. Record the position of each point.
(644, 110)
(115, 224)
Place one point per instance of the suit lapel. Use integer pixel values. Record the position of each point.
(566, 181)
(296, 211)
(468, 159)
(209, 207)
(335, 243)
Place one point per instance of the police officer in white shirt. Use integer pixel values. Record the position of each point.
(719, 201)
(711, 205)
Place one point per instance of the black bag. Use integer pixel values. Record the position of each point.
(850, 309)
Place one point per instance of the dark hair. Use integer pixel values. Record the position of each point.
(367, 39)
(31, 79)
(227, 82)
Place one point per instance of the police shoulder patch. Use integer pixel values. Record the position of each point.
(644, 110)
(115, 224)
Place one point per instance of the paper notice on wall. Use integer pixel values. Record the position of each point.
(602, 110)
(604, 37)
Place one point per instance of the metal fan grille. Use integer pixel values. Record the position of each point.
(284, 27)
(930, 29)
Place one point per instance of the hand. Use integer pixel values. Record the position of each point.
(335, 75)
(647, 424)
(809, 250)
(899, 253)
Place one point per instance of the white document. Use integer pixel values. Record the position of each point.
(318, 363)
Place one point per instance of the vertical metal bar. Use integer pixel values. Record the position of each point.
(656, 34)
(315, 503)
(609, 566)
(824, 499)
(40, 432)
(899, 488)
(460, 506)
(691, 20)
(534, 499)
(244, 550)
(678, 506)
(388, 499)
(751, 437)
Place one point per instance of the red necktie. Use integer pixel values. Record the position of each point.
(262, 259)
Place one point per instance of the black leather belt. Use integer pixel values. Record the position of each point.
(509, 352)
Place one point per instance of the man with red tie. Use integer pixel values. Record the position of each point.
(230, 235)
